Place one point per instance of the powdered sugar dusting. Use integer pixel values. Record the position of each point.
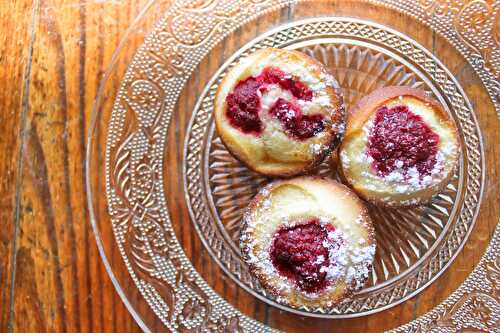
(328, 79)
(344, 159)
(410, 179)
(317, 148)
(350, 262)
(319, 260)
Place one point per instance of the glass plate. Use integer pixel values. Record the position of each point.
(414, 246)
(142, 118)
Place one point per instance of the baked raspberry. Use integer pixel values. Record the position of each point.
(274, 75)
(299, 252)
(296, 124)
(243, 105)
(401, 139)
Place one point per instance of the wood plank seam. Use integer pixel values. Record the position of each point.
(22, 139)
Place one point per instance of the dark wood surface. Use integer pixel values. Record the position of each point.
(53, 55)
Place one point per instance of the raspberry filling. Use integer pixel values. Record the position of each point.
(298, 89)
(299, 252)
(401, 139)
(296, 124)
(243, 105)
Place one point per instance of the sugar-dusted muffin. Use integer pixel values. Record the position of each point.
(400, 147)
(309, 241)
(279, 112)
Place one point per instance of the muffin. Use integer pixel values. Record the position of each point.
(400, 147)
(279, 112)
(309, 241)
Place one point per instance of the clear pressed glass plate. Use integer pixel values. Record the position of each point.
(408, 240)
(146, 124)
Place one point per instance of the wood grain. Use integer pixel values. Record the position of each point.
(14, 69)
(53, 56)
(60, 284)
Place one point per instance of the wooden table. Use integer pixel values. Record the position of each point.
(53, 55)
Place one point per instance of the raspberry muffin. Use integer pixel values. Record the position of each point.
(400, 147)
(309, 241)
(279, 112)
